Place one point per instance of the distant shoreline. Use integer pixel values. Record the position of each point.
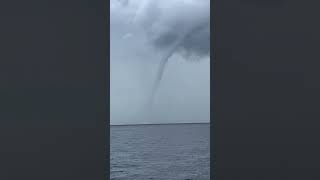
(159, 124)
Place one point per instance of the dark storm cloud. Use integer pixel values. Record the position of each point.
(197, 44)
(170, 21)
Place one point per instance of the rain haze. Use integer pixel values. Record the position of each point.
(144, 33)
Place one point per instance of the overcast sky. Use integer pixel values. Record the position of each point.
(142, 32)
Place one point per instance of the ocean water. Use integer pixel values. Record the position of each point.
(160, 152)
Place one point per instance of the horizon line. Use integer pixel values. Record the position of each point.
(142, 124)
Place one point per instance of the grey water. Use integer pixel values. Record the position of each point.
(160, 152)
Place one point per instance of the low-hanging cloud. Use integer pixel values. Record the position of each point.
(168, 21)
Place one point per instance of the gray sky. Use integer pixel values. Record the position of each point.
(141, 32)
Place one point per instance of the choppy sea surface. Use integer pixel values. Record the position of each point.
(160, 152)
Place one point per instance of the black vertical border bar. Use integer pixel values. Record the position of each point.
(107, 75)
(54, 89)
(266, 112)
(212, 94)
